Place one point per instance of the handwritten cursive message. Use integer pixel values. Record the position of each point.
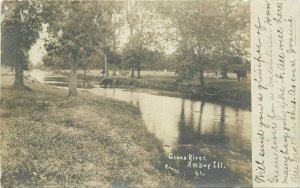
(274, 51)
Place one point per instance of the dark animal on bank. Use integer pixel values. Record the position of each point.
(102, 72)
(106, 83)
(241, 73)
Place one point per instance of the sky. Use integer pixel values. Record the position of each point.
(37, 51)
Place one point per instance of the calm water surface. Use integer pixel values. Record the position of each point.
(218, 132)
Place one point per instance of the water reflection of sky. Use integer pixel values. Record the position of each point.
(162, 116)
(185, 126)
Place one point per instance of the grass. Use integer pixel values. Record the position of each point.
(50, 140)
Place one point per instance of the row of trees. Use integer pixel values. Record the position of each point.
(204, 35)
(209, 35)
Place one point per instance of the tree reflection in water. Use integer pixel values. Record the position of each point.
(215, 145)
(216, 131)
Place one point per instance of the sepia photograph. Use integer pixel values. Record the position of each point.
(130, 93)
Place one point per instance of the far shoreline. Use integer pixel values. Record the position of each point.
(229, 91)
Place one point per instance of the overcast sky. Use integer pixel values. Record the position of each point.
(37, 51)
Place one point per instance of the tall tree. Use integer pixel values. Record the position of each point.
(131, 20)
(207, 34)
(137, 52)
(79, 27)
(234, 34)
(193, 25)
(144, 35)
(20, 28)
(117, 24)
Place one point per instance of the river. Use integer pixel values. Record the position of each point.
(216, 132)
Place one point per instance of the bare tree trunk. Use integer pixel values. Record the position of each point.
(131, 34)
(132, 72)
(138, 71)
(84, 71)
(106, 66)
(224, 72)
(114, 70)
(19, 81)
(55, 65)
(73, 76)
(114, 47)
(202, 79)
(84, 76)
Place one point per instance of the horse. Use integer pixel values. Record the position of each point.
(106, 82)
(241, 73)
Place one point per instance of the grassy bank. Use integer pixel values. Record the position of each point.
(228, 91)
(48, 139)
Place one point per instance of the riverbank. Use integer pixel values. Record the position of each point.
(225, 91)
(48, 139)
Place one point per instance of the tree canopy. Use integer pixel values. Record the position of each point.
(80, 29)
(204, 35)
(20, 28)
